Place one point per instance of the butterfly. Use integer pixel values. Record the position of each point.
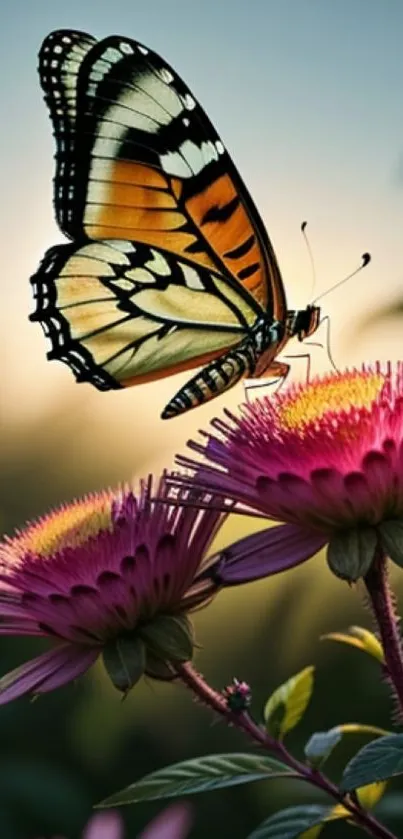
(169, 266)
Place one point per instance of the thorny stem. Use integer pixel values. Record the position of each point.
(381, 598)
(242, 720)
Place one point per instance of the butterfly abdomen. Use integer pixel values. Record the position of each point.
(218, 377)
(224, 372)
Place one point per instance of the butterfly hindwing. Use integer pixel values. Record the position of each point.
(119, 313)
(60, 59)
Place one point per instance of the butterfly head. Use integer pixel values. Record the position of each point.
(303, 322)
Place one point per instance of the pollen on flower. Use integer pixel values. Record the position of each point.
(67, 527)
(354, 391)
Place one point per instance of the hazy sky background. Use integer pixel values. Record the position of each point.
(307, 96)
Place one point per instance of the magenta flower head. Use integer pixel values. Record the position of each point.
(113, 574)
(326, 460)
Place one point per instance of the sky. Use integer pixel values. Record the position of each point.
(307, 97)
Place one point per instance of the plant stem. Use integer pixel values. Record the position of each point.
(242, 720)
(382, 602)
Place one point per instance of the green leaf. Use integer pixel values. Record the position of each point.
(286, 706)
(169, 637)
(124, 659)
(377, 761)
(307, 822)
(369, 795)
(320, 746)
(361, 728)
(294, 821)
(391, 533)
(359, 637)
(199, 775)
(350, 553)
(313, 832)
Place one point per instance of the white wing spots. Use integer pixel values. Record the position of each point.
(96, 75)
(190, 159)
(99, 69)
(105, 253)
(209, 151)
(188, 102)
(100, 66)
(143, 50)
(186, 122)
(125, 285)
(126, 48)
(219, 146)
(192, 277)
(122, 245)
(158, 264)
(198, 157)
(174, 164)
(141, 275)
(165, 75)
(163, 98)
(82, 265)
(106, 149)
(145, 106)
(111, 54)
(136, 110)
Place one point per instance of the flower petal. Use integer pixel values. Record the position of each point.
(76, 662)
(47, 671)
(107, 825)
(267, 552)
(173, 823)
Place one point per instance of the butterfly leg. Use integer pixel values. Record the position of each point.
(307, 357)
(325, 345)
(278, 370)
(328, 344)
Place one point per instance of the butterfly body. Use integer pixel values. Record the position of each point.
(170, 266)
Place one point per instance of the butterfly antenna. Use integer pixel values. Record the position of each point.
(366, 259)
(310, 254)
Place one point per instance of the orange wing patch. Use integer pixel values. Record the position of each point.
(223, 220)
(136, 202)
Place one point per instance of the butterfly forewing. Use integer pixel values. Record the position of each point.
(157, 172)
(60, 59)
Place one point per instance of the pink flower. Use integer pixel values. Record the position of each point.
(173, 823)
(108, 825)
(114, 574)
(326, 460)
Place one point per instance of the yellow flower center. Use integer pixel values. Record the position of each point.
(334, 394)
(68, 527)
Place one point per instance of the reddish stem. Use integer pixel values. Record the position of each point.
(382, 602)
(241, 720)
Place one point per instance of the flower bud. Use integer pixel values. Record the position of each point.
(391, 537)
(350, 553)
